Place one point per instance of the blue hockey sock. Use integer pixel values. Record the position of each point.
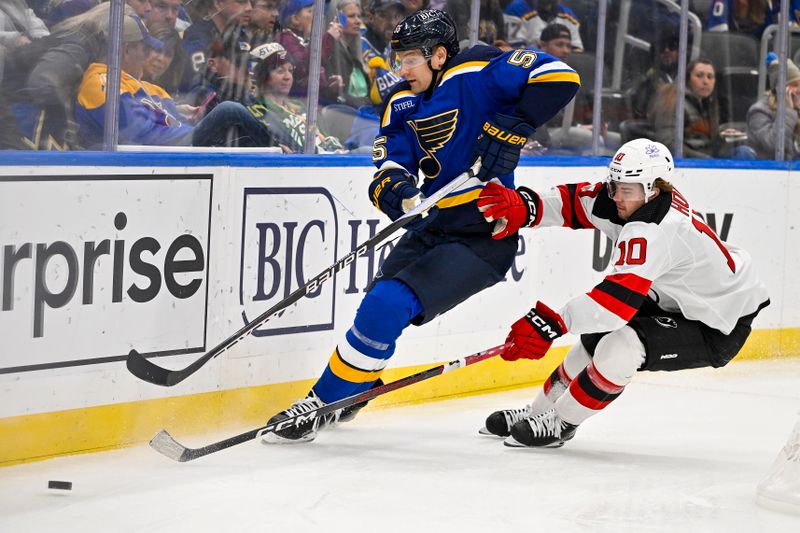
(358, 360)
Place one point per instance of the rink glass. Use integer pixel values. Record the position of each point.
(636, 37)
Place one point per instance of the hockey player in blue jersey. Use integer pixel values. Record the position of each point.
(451, 109)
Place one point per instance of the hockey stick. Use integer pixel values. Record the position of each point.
(146, 370)
(164, 444)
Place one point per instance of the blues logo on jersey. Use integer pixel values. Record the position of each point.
(432, 134)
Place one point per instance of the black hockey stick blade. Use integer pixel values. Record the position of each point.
(142, 368)
(166, 445)
(146, 370)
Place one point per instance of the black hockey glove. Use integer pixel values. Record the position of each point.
(499, 145)
(394, 192)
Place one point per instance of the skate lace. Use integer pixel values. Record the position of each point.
(545, 424)
(305, 405)
(515, 415)
(310, 403)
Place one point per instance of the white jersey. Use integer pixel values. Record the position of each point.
(525, 24)
(664, 251)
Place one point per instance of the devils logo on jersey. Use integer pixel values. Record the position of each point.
(666, 322)
(432, 134)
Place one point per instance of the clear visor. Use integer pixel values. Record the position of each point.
(407, 59)
(625, 191)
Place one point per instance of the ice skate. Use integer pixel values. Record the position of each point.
(349, 413)
(306, 431)
(499, 423)
(545, 430)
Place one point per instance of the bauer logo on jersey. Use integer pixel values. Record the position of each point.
(432, 134)
(290, 236)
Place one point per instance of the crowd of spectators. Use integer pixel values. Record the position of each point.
(205, 72)
(236, 73)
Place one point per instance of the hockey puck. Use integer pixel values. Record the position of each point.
(59, 485)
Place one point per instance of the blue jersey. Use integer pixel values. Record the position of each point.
(436, 134)
(720, 16)
(196, 43)
(521, 8)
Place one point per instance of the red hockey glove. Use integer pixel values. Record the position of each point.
(512, 209)
(533, 334)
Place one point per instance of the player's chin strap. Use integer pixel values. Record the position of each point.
(437, 72)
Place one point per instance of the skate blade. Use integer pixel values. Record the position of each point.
(511, 442)
(484, 431)
(271, 439)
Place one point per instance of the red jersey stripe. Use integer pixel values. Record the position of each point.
(622, 310)
(631, 281)
(566, 206)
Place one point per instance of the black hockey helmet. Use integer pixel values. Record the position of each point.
(425, 29)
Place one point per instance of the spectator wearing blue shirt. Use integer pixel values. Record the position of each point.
(225, 77)
(219, 16)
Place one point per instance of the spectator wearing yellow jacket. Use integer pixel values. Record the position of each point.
(148, 115)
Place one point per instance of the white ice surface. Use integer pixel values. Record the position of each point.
(679, 452)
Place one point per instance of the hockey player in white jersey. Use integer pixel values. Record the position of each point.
(677, 297)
